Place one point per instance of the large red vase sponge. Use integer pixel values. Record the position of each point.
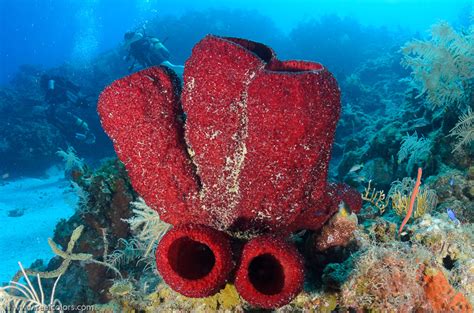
(195, 260)
(242, 148)
(271, 272)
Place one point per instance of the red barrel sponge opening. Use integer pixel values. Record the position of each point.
(195, 260)
(271, 272)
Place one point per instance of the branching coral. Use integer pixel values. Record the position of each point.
(442, 67)
(376, 198)
(68, 256)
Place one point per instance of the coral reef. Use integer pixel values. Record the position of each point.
(108, 201)
(399, 281)
(235, 125)
(233, 170)
(29, 137)
(455, 190)
(446, 240)
(438, 97)
(366, 270)
(387, 278)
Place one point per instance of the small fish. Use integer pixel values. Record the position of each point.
(344, 210)
(360, 179)
(356, 168)
(300, 233)
(452, 216)
(5, 176)
(451, 181)
(421, 122)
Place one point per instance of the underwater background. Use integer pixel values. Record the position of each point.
(69, 212)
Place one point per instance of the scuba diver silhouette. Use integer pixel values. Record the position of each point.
(147, 51)
(62, 97)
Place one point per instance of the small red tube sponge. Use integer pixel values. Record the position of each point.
(271, 272)
(195, 260)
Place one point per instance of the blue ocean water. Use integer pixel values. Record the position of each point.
(54, 173)
(51, 32)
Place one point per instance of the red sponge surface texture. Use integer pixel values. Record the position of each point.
(254, 151)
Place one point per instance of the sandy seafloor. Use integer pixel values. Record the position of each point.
(45, 201)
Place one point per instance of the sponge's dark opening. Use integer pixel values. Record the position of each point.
(266, 274)
(191, 259)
